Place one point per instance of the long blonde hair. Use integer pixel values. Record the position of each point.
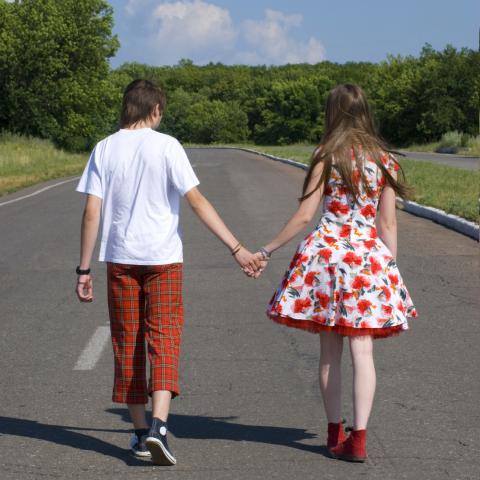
(349, 129)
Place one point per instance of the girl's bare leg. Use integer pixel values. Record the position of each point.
(364, 380)
(330, 375)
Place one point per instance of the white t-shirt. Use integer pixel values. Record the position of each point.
(140, 176)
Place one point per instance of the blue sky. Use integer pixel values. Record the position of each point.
(161, 32)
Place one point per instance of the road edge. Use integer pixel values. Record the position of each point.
(448, 220)
(35, 189)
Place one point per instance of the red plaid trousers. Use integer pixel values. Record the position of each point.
(145, 305)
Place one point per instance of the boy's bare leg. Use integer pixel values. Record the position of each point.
(161, 404)
(137, 415)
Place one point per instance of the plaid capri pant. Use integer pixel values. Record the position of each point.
(145, 305)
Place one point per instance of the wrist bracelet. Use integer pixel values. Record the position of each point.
(265, 253)
(236, 249)
(79, 271)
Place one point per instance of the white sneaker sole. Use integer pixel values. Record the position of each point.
(137, 454)
(160, 455)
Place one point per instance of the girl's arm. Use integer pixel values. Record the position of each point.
(387, 220)
(304, 214)
(209, 216)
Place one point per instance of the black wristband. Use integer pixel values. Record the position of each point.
(82, 272)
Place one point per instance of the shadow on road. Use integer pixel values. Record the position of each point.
(223, 428)
(67, 435)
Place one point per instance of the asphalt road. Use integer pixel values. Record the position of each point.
(459, 161)
(250, 406)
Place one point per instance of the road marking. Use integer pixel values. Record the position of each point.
(92, 352)
(44, 189)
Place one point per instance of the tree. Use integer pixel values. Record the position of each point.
(212, 121)
(56, 75)
(176, 118)
(7, 53)
(290, 112)
(448, 91)
(418, 99)
(393, 92)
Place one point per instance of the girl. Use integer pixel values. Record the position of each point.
(343, 280)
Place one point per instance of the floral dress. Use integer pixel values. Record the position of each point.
(343, 278)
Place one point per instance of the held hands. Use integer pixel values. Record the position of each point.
(263, 265)
(252, 264)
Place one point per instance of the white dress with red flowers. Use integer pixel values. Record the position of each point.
(342, 277)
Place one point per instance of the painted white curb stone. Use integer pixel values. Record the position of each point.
(448, 220)
(454, 222)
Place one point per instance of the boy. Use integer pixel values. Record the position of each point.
(134, 180)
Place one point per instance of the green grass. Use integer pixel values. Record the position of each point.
(448, 188)
(424, 147)
(451, 189)
(26, 161)
(472, 149)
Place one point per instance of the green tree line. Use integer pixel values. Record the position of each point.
(56, 83)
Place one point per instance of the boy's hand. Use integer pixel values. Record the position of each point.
(84, 288)
(263, 265)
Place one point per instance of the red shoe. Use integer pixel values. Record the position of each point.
(354, 449)
(336, 435)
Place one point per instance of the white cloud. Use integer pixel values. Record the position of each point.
(133, 6)
(193, 29)
(205, 32)
(272, 43)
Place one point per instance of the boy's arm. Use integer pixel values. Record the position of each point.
(209, 216)
(89, 232)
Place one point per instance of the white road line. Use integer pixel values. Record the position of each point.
(92, 352)
(38, 191)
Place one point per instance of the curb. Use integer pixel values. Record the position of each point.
(454, 222)
(459, 224)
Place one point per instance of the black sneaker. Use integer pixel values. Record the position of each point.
(156, 443)
(138, 447)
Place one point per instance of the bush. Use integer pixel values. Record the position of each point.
(464, 140)
(451, 139)
(473, 145)
(291, 112)
(450, 142)
(194, 119)
(213, 121)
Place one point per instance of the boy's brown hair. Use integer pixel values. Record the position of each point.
(139, 100)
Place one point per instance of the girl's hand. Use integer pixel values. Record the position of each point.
(263, 264)
(84, 288)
